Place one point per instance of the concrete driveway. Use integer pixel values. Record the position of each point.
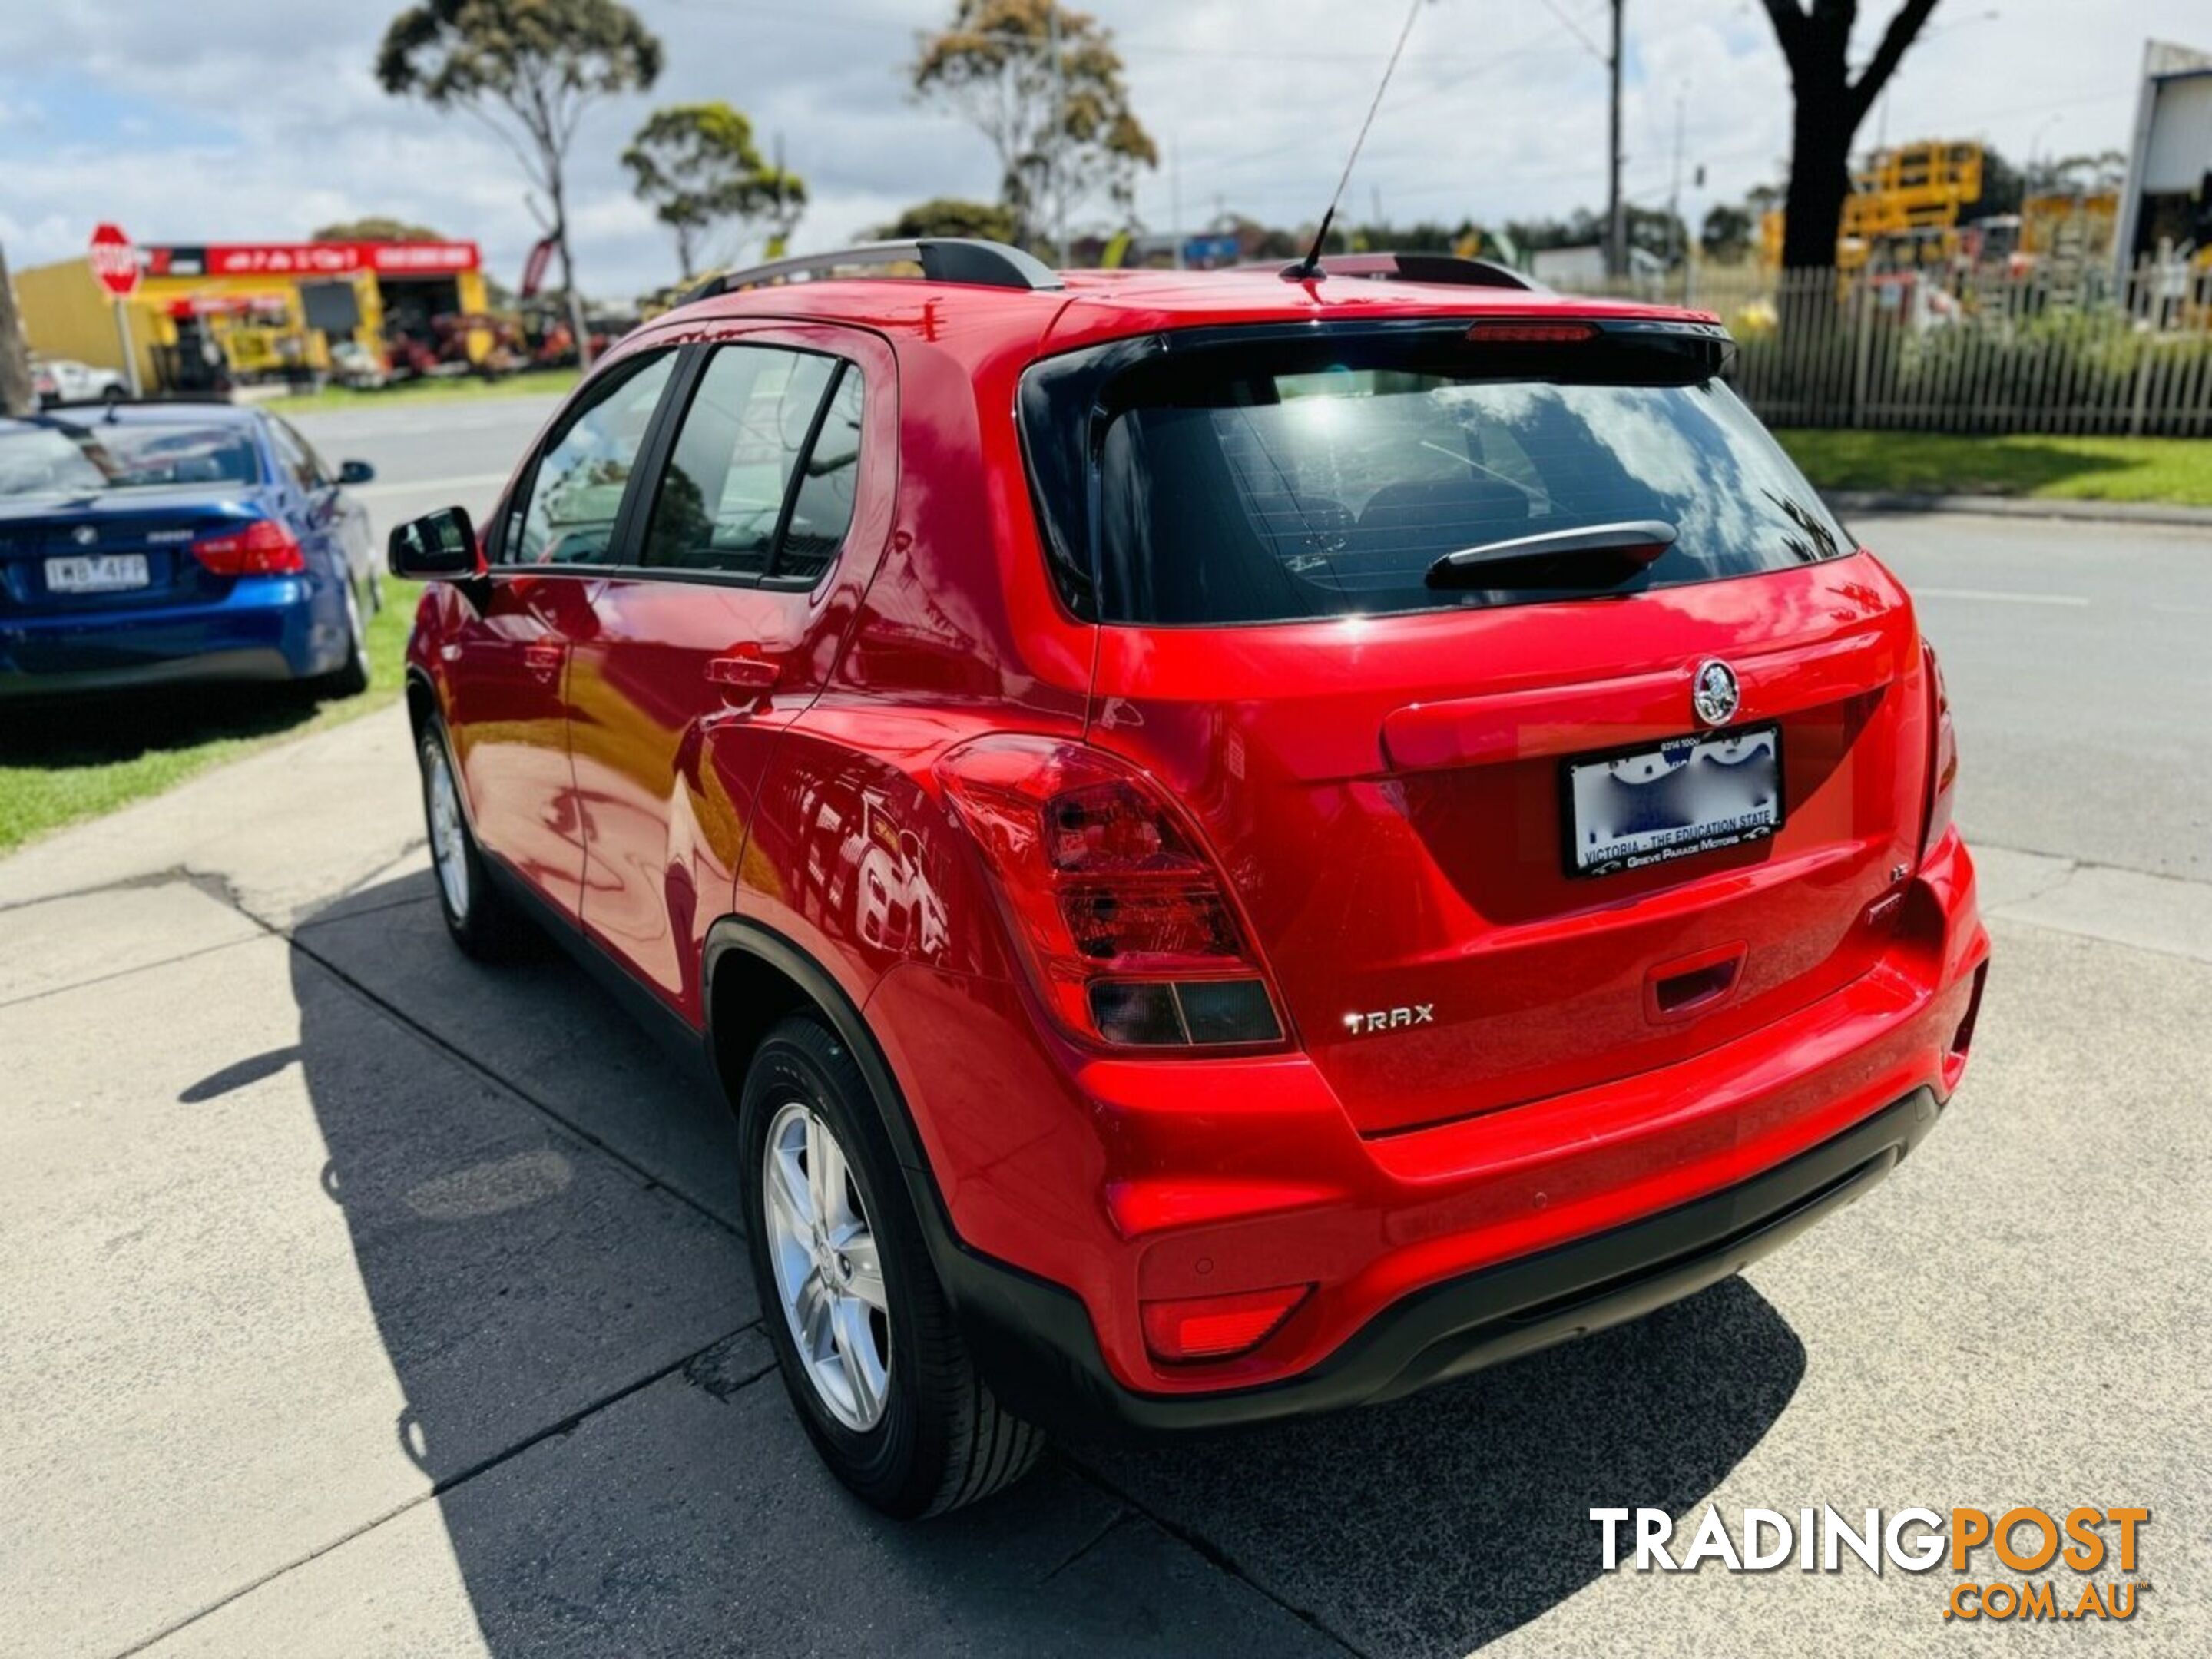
(366, 1301)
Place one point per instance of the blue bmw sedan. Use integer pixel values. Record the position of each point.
(153, 544)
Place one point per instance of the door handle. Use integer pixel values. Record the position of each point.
(543, 656)
(743, 674)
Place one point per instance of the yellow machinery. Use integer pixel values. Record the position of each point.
(245, 306)
(2069, 226)
(1904, 209)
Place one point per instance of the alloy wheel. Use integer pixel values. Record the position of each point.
(449, 850)
(828, 1271)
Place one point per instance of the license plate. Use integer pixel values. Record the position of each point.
(97, 572)
(1640, 807)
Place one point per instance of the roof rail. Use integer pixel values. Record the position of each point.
(1416, 267)
(942, 258)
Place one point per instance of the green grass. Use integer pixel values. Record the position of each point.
(541, 382)
(63, 761)
(2170, 470)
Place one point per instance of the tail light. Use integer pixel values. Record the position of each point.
(1532, 333)
(1942, 756)
(263, 548)
(1124, 919)
(1218, 1326)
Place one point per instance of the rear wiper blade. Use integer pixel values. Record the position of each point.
(1635, 542)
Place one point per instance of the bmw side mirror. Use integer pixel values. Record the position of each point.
(356, 472)
(438, 547)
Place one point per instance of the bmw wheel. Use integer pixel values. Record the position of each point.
(867, 1346)
(350, 677)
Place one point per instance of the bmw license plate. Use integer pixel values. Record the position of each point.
(97, 573)
(1630, 810)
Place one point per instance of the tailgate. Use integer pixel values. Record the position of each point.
(1388, 797)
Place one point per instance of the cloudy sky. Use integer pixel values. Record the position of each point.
(215, 121)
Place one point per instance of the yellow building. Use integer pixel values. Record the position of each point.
(243, 310)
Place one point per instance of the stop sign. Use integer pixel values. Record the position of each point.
(114, 261)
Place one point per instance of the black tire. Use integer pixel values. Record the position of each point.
(942, 1441)
(350, 677)
(482, 920)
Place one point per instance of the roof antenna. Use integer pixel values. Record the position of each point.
(1309, 267)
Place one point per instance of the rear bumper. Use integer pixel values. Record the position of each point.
(1074, 1190)
(1038, 1347)
(267, 627)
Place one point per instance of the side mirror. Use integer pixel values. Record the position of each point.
(438, 547)
(356, 472)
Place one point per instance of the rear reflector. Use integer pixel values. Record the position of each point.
(1170, 1013)
(263, 548)
(1217, 1326)
(1532, 333)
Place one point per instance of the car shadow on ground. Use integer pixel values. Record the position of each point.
(102, 730)
(617, 1468)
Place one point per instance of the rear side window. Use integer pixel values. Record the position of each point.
(297, 459)
(1265, 482)
(760, 478)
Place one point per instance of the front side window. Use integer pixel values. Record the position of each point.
(760, 478)
(575, 491)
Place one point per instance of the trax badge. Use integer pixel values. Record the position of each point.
(1713, 693)
(1391, 1019)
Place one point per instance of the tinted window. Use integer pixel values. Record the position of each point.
(576, 491)
(1244, 486)
(50, 457)
(822, 512)
(742, 468)
(299, 460)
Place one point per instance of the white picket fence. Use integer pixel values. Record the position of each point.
(2088, 350)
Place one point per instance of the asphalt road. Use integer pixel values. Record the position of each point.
(429, 455)
(2079, 658)
(364, 1301)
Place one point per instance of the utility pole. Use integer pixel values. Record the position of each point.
(1174, 198)
(1677, 233)
(1059, 186)
(777, 234)
(1616, 211)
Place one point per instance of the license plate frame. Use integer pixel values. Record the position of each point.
(78, 573)
(1750, 824)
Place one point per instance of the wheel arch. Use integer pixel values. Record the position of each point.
(421, 701)
(754, 976)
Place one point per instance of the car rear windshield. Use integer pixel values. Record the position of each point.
(67, 457)
(1319, 476)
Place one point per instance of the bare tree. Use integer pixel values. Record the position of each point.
(1816, 39)
(16, 396)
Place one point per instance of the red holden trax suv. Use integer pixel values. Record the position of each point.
(1241, 844)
